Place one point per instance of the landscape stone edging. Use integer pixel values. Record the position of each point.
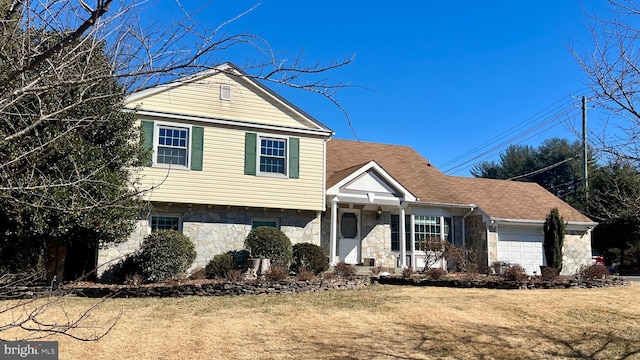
(505, 284)
(287, 287)
(207, 289)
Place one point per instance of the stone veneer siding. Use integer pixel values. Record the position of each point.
(376, 243)
(476, 238)
(218, 229)
(576, 253)
(375, 237)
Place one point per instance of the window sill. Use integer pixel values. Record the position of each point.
(272, 175)
(171, 167)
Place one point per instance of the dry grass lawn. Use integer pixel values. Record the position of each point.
(378, 322)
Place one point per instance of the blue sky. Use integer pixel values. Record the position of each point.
(455, 80)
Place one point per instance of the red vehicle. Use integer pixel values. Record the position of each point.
(597, 260)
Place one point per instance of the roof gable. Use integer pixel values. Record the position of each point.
(372, 180)
(201, 98)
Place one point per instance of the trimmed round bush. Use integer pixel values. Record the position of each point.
(165, 254)
(220, 266)
(269, 243)
(309, 257)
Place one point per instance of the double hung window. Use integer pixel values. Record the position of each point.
(173, 145)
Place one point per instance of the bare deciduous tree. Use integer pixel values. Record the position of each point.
(52, 94)
(612, 64)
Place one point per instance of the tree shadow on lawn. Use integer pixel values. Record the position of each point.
(496, 342)
(475, 341)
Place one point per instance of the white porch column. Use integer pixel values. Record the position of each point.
(413, 242)
(334, 231)
(403, 239)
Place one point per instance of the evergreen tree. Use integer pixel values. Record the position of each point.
(554, 228)
(67, 178)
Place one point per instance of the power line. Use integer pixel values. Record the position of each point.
(539, 171)
(530, 131)
(548, 115)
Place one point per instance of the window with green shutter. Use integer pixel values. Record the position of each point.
(173, 145)
(272, 155)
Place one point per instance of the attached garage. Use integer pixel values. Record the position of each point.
(521, 245)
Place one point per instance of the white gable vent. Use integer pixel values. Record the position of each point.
(225, 92)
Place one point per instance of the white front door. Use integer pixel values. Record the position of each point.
(349, 232)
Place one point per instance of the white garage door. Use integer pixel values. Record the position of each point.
(521, 245)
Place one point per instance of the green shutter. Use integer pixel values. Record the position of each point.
(294, 158)
(197, 140)
(250, 153)
(146, 129)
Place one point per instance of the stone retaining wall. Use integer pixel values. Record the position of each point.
(208, 289)
(503, 284)
(286, 287)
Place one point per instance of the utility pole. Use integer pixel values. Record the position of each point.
(585, 173)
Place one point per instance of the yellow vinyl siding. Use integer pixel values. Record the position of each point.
(222, 180)
(202, 98)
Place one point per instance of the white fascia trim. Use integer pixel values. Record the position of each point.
(162, 87)
(282, 103)
(335, 189)
(235, 123)
(541, 222)
(449, 205)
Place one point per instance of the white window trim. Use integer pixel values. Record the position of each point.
(286, 156)
(156, 136)
(149, 222)
(276, 220)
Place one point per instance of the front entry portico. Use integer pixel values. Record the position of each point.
(368, 190)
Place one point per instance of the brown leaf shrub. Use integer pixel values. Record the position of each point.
(436, 273)
(549, 274)
(594, 272)
(276, 273)
(344, 269)
(514, 272)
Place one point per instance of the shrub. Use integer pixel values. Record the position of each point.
(240, 257)
(436, 273)
(165, 254)
(344, 269)
(269, 243)
(219, 266)
(198, 274)
(594, 272)
(235, 275)
(276, 273)
(309, 257)
(548, 273)
(306, 275)
(122, 270)
(514, 272)
(407, 272)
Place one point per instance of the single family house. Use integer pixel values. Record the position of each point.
(229, 154)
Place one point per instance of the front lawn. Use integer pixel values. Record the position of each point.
(376, 322)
